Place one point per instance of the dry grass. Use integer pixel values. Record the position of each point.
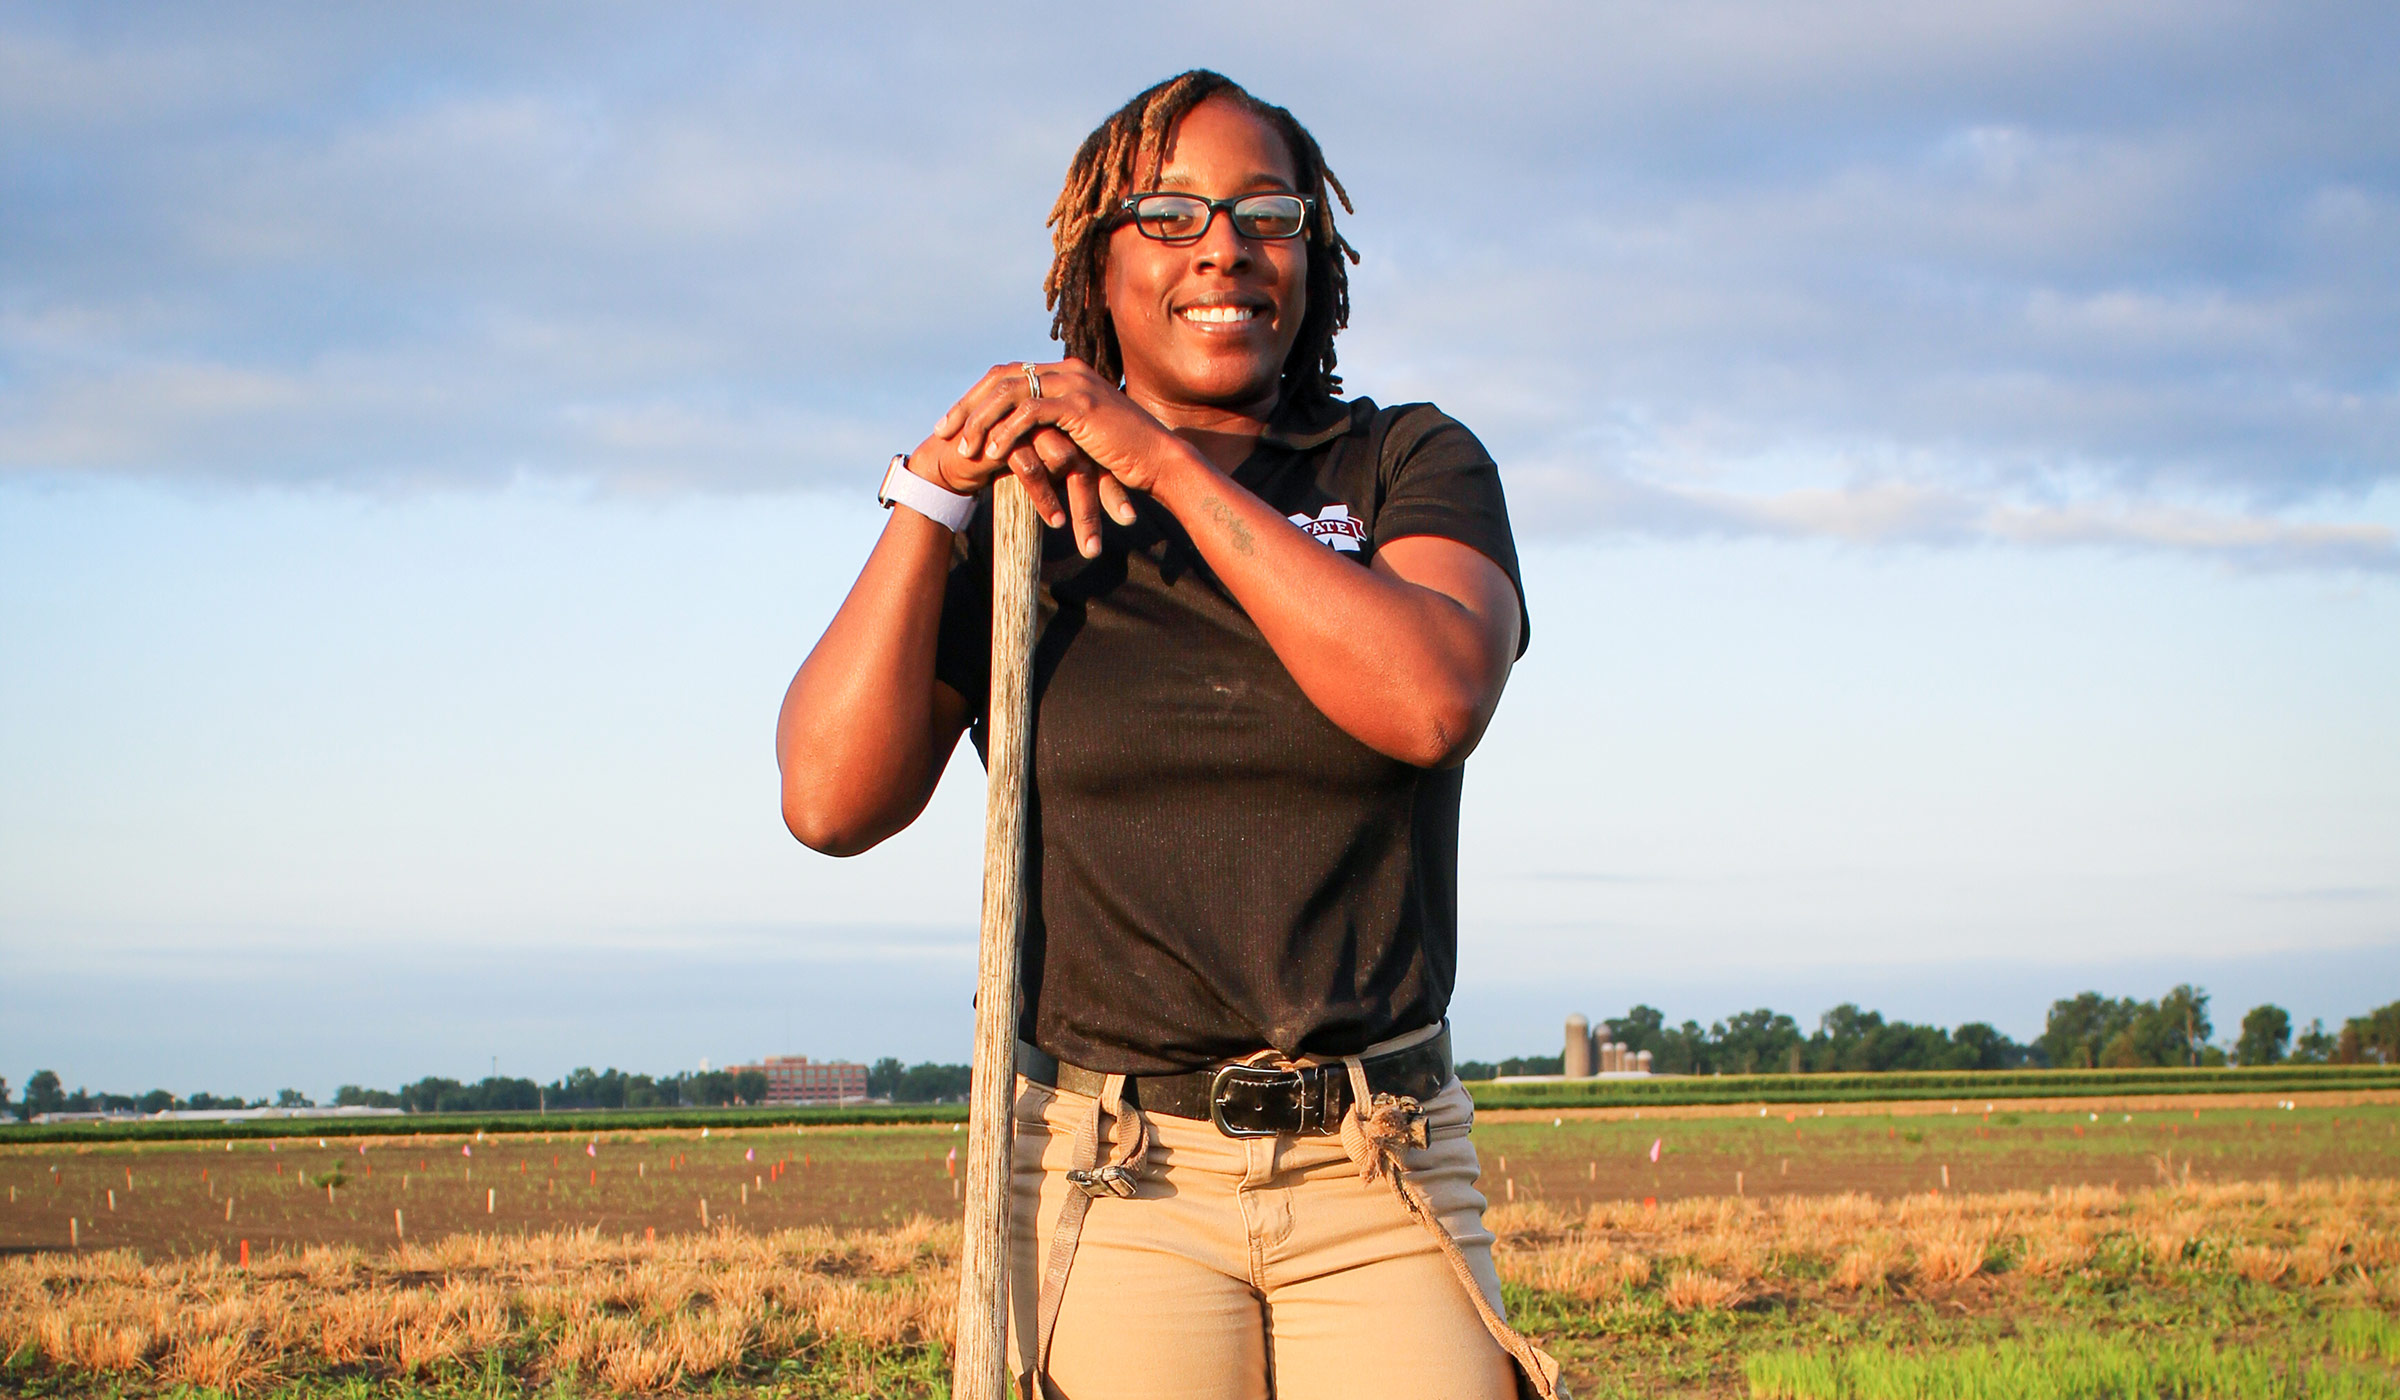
(1690, 1289)
(2345, 1232)
(608, 1312)
(596, 1313)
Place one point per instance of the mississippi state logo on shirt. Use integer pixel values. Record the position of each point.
(1333, 526)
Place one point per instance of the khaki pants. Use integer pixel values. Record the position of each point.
(1253, 1267)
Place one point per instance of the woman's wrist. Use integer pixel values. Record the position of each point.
(926, 460)
(1182, 475)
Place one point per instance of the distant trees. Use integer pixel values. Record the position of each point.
(43, 1094)
(581, 1087)
(922, 1083)
(1847, 1040)
(2090, 1031)
(2080, 1028)
(2266, 1031)
(2373, 1037)
(2085, 1031)
(1521, 1064)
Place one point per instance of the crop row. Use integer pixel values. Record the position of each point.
(1664, 1091)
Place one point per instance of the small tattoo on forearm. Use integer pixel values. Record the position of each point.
(1222, 512)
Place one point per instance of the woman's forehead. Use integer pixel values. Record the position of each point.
(1224, 142)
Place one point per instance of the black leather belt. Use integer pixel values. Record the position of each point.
(1254, 1100)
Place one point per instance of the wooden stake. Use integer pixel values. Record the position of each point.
(982, 1368)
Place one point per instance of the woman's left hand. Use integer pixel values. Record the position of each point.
(1130, 447)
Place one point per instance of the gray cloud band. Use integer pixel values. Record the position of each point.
(1947, 280)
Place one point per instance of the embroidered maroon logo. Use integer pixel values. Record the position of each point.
(1334, 527)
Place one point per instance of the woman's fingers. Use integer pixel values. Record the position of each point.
(1006, 388)
(955, 416)
(1008, 429)
(1039, 488)
(994, 383)
(1117, 500)
(1087, 486)
(1057, 450)
(1083, 503)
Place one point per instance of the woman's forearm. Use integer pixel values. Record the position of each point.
(865, 731)
(1408, 656)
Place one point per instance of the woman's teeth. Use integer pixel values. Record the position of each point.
(1218, 315)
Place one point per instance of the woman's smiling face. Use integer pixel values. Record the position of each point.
(1208, 325)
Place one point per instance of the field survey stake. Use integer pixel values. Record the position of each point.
(982, 1362)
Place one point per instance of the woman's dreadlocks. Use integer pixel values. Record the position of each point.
(1122, 158)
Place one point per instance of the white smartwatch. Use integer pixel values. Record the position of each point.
(902, 487)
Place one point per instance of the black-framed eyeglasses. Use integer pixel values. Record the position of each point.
(1184, 218)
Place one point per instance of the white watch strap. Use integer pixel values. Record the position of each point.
(902, 487)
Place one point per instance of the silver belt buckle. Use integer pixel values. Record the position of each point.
(1249, 1074)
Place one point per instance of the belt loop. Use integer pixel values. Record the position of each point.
(1362, 1099)
(1129, 1147)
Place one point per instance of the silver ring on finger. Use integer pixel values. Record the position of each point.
(1033, 380)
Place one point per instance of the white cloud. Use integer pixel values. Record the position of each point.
(1866, 270)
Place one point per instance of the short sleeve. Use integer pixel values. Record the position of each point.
(1437, 479)
(962, 653)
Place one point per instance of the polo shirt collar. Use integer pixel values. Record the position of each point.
(1306, 423)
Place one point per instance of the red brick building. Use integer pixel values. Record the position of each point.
(795, 1079)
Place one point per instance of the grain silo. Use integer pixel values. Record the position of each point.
(1579, 1048)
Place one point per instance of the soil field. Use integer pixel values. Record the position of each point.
(208, 1197)
(1606, 1155)
(183, 1198)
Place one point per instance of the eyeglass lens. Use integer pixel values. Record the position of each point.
(1181, 218)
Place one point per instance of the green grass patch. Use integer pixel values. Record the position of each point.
(2070, 1365)
(574, 1121)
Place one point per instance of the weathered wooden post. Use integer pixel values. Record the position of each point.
(980, 1370)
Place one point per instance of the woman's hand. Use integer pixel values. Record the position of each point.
(1126, 447)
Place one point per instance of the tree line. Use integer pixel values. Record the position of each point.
(2086, 1031)
(578, 1088)
(581, 1088)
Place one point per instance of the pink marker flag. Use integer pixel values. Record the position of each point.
(751, 1155)
(466, 1149)
(1654, 1146)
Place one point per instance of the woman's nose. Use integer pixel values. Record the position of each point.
(1221, 246)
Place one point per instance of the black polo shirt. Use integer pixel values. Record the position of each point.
(1217, 867)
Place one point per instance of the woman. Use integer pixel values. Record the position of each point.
(1274, 624)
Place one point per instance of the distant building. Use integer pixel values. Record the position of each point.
(796, 1079)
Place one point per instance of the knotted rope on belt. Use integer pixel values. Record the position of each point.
(1374, 1132)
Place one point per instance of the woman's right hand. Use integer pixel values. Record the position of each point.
(1063, 481)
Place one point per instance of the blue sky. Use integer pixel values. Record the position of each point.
(1954, 457)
